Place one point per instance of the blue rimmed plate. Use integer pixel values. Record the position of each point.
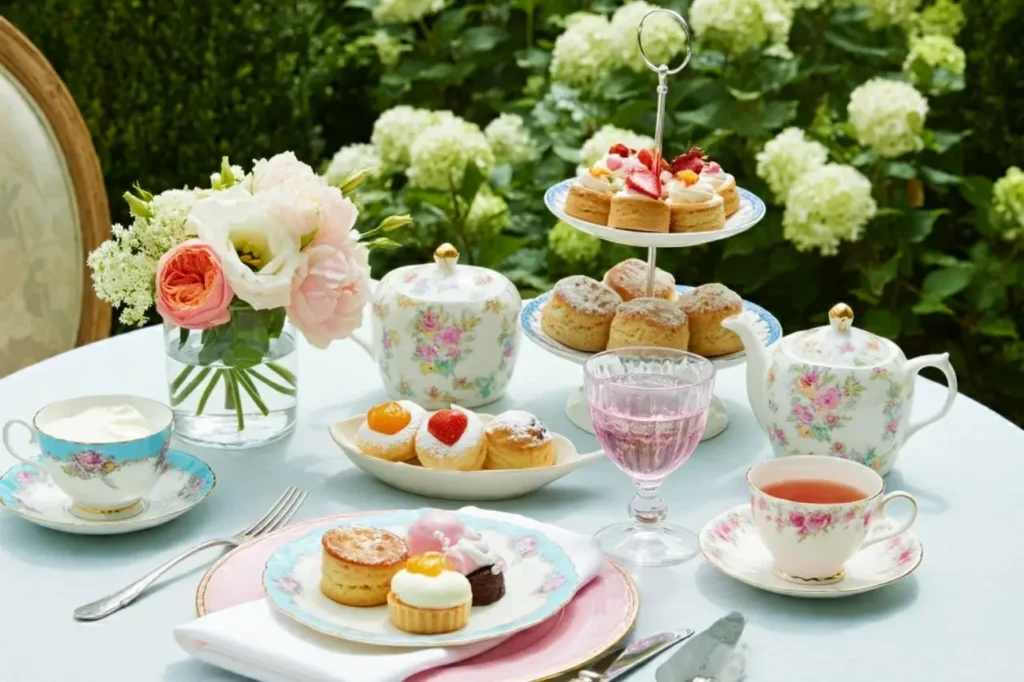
(752, 210)
(539, 580)
(184, 482)
(768, 329)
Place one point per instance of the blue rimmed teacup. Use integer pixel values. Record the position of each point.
(104, 480)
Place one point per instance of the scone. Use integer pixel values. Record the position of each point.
(638, 213)
(706, 307)
(588, 204)
(693, 204)
(389, 431)
(590, 197)
(649, 322)
(452, 440)
(428, 597)
(518, 440)
(359, 563)
(629, 280)
(579, 313)
(725, 186)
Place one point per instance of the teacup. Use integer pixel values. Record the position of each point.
(814, 512)
(105, 480)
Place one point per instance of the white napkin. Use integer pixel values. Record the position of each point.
(256, 641)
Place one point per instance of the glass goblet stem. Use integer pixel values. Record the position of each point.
(647, 508)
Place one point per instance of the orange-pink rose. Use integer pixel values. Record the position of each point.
(329, 291)
(191, 290)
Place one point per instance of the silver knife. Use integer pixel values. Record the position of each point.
(623, 659)
(706, 655)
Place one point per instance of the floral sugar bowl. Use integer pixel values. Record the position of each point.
(837, 390)
(445, 333)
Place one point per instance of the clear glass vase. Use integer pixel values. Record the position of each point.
(233, 386)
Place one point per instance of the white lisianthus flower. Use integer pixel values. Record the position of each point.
(664, 38)
(351, 158)
(736, 26)
(439, 156)
(394, 132)
(406, 11)
(259, 254)
(1008, 200)
(601, 141)
(929, 58)
(826, 206)
(510, 140)
(889, 12)
(581, 57)
(786, 157)
(888, 116)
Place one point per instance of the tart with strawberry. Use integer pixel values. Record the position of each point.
(638, 205)
(389, 431)
(590, 197)
(453, 440)
(725, 186)
(693, 204)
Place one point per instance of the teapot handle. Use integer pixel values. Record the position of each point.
(939, 361)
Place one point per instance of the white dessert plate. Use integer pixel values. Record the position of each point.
(539, 580)
(768, 328)
(460, 485)
(752, 210)
(731, 543)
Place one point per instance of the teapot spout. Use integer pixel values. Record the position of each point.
(757, 366)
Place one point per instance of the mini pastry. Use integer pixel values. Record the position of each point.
(518, 440)
(453, 440)
(435, 531)
(484, 568)
(359, 563)
(706, 307)
(428, 597)
(629, 280)
(649, 322)
(638, 205)
(590, 197)
(725, 186)
(579, 313)
(389, 431)
(693, 204)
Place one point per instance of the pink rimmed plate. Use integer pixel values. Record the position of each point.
(600, 616)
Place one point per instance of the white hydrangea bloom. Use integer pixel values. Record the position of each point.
(927, 56)
(942, 17)
(394, 132)
(438, 157)
(826, 206)
(786, 157)
(601, 141)
(572, 245)
(1008, 199)
(351, 158)
(889, 12)
(735, 26)
(581, 57)
(510, 140)
(488, 214)
(664, 38)
(888, 116)
(389, 48)
(406, 11)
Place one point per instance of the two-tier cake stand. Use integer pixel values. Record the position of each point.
(752, 210)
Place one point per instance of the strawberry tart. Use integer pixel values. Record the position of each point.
(453, 440)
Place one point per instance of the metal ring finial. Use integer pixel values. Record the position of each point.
(662, 69)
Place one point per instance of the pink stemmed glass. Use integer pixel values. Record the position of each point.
(649, 406)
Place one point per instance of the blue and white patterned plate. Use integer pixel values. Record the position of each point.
(185, 482)
(751, 212)
(539, 580)
(768, 328)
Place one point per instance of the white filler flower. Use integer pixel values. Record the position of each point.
(888, 116)
(826, 206)
(786, 157)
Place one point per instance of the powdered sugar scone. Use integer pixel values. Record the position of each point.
(389, 431)
(693, 204)
(706, 307)
(725, 186)
(579, 313)
(518, 440)
(649, 322)
(452, 440)
(629, 280)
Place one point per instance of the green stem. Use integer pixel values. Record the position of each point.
(233, 382)
(229, 393)
(180, 379)
(529, 22)
(209, 389)
(272, 384)
(250, 388)
(284, 373)
(187, 391)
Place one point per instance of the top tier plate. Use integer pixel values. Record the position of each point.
(751, 211)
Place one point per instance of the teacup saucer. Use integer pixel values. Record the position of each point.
(184, 483)
(731, 543)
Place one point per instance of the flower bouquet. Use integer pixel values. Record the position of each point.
(233, 270)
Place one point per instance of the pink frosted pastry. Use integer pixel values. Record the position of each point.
(483, 567)
(435, 531)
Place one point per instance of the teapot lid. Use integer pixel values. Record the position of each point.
(840, 343)
(446, 281)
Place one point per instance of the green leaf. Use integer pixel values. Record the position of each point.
(855, 47)
(778, 114)
(977, 190)
(938, 177)
(883, 274)
(942, 141)
(941, 284)
(883, 322)
(865, 158)
(482, 38)
(932, 308)
(182, 337)
(499, 248)
(472, 179)
(382, 243)
(921, 222)
(999, 327)
(394, 222)
(900, 169)
(533, 59)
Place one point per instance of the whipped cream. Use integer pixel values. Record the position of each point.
(472, 552)
(111, 424)
(384, 440)
(714, 174)
(699, 192)
(628, 191)
(443, 591)
(471, 437)
(604, 184)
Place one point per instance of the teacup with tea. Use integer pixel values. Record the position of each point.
(814, 513)
(106, 452)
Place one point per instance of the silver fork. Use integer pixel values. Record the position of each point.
(278, 515)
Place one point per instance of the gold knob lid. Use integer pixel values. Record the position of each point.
(447, 256)
(840, 317)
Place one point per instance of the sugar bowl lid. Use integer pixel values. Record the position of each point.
(840, 344)
(445, 280)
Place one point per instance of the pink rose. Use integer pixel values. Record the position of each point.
(827, 399)
(797, 519)
(891, 426)
(387, 342)
(283, 169)
(191, 290)
(454, 353)
(867, 519)
(831, 418)
(818, 521)
(329, 291)
(428, 351)
(429, 322)
(904, 557)
(509, 349)
(810, 378)
(90, 459)
(337, 218)
(849, 516)
(838, 447)
(24, 477)
(761, 504)
(780, 434)
(803, 414)
(449, 336)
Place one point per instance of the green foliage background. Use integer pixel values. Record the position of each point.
(169, 86)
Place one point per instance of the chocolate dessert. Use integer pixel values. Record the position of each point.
(488, 586)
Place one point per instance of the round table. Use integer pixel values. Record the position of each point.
(956, 618)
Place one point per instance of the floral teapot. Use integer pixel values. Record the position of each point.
(836, 390)
(445, 333)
